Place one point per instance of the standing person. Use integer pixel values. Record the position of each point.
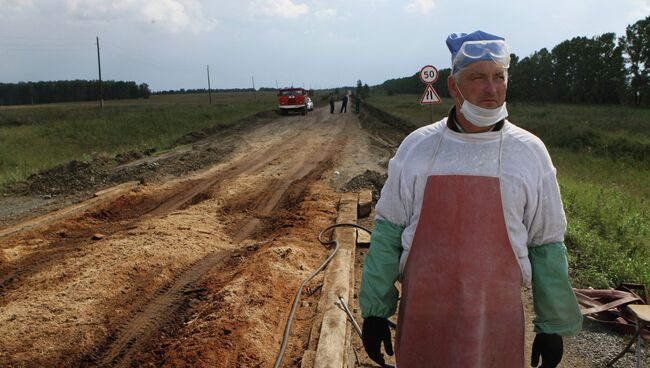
(331, 101)
(470, 212)
(344, 104)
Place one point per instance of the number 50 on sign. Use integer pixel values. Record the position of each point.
(429, 74)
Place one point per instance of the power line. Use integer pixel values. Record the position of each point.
(17, 44)
(112, 52)
(39, 48)
(7, 36)
(47, 44)
(144, 60)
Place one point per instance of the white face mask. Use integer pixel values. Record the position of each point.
(480, 116)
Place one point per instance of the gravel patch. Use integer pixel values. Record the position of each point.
(599, 345)
(368, 180)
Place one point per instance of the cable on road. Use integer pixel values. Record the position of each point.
(296, 299)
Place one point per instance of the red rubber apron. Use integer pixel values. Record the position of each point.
(461, 302)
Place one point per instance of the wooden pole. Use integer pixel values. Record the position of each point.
(254, 92)
(99, 65)
(209, 91)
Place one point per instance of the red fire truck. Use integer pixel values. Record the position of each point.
(292, 99)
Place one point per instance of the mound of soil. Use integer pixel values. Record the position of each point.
(190, 138)
(72, 177)
(368, 180)
(125, 157)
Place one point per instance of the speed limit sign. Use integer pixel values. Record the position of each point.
(429, 74)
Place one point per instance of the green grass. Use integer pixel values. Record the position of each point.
(607, 234)
(602, 154)
(34, 138)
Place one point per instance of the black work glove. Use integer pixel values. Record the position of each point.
(375, 331)
(549, 347)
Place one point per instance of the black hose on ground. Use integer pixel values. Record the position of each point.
(296, 299)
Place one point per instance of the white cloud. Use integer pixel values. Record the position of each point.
(92, 9)
(176, 15)
(16, 4)
(420, 6)
(278, 8)
(169, 16)
(642, 9)
(326, 14)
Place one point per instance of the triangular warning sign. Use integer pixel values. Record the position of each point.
(430, 96)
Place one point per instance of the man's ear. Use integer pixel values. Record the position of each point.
(451, 86)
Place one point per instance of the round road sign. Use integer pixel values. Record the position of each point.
(429, 74)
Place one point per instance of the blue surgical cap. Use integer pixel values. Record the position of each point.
(456, 40)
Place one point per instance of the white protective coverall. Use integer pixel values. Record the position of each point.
(529, 198)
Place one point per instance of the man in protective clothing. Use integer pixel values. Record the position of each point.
(470, 212)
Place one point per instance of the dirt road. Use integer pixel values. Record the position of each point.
(194, 271)
(197, 267)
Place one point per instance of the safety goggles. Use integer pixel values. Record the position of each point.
(472, 51)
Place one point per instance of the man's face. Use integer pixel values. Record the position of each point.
(483, 83)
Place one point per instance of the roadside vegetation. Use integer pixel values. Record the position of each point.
(39, 137)
(602, 154)
(69, 91)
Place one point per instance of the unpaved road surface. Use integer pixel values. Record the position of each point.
(197, 270)
(194, 268)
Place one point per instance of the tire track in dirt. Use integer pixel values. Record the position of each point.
(139, 330)
(122, 218)
(65, 242)
(309, 161)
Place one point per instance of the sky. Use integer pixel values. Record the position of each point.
(168, 44)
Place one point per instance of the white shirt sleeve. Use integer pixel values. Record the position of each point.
(545, 217)
(396, 201)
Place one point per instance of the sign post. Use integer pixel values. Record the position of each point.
(428, 76)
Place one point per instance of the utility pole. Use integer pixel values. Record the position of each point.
(209, 92)
(254, 92)
(99, 65)
(276, 84)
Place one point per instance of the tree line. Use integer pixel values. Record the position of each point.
(205, 90)
(216, 90)
(602, 69)
(69, 91)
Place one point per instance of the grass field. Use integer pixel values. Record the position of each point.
(34, 138)
(602, 154)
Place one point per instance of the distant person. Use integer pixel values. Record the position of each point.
(331, 101)
(470, 212)
(344, 105)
